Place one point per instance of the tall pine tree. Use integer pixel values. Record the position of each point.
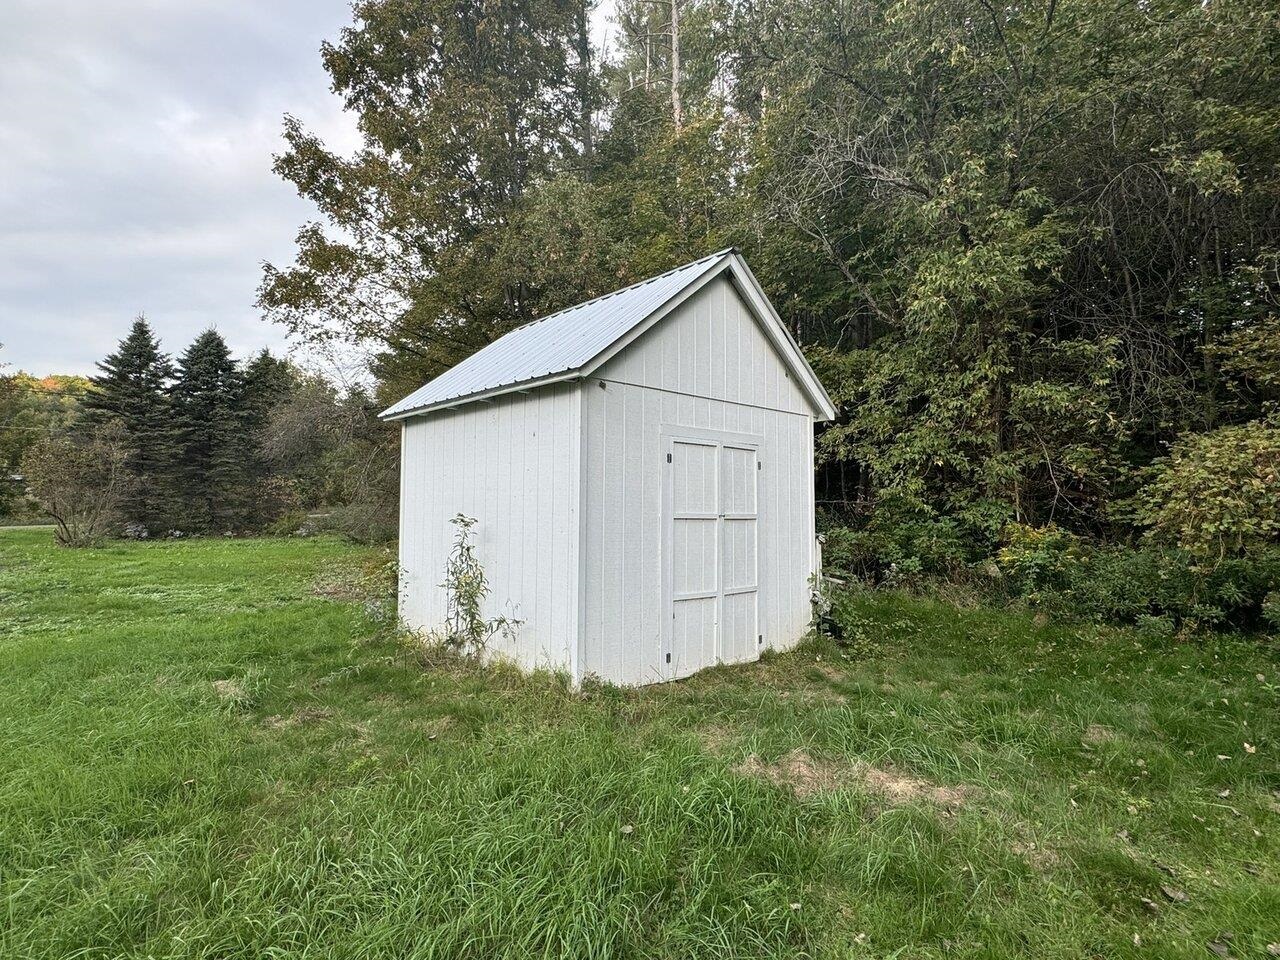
(215, 452)
(268, 382)
(131, 391)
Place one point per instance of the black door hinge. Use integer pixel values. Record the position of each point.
(668, 658)
(760, 640)
(668, 458)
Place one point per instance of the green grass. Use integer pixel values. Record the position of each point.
(341, 798)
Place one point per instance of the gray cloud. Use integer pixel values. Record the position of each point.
(135, 166)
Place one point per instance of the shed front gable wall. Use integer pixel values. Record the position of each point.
(706, 366)
(710, 346)
(623, 459)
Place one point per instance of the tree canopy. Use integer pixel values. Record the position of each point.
(1027, 247)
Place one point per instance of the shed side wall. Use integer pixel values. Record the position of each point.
(513, 464)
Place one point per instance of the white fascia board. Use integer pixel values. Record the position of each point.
(786, 344)
(522, 386)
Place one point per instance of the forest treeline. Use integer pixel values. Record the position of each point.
(1033, 250)
(206, 444)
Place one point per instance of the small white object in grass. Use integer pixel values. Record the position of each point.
(1137, 940)
(1262, 678)
(1223, 756)
(795, 906)
(1250, 748)
(627, 829)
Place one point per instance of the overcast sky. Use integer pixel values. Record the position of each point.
(135, 167)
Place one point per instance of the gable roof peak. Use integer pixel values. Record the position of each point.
(572, 342)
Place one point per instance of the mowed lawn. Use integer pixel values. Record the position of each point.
(204, 755)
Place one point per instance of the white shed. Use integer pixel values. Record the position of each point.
(640, 468)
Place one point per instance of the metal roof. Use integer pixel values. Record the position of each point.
(562, 344)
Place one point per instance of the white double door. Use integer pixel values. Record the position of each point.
(712, 562)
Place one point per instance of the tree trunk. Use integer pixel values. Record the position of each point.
(677, 109)
(586, 99)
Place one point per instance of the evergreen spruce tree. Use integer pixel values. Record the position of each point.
(214, 450)
(131, 391)
(268, 382)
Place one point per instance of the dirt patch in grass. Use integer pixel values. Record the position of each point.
(229, 689)
(1036, 855)
(806, 776)
(372, 583)
(299, 718)
(715, 738)
(1096, 734)
(899, 787)
(800, 773)
(829, 671)
(333, 585)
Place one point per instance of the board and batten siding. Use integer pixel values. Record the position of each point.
(711, 346)
(511, 463)
(706, 366)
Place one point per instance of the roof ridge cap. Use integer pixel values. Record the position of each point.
(631, 286)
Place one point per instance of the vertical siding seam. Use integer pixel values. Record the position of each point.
(578, 533)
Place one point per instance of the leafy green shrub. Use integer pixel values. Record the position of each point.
(81, 482)
(292, 524)
(373, 520)
(1125, 584)
(1217, 494)
(900, 540)
(1271, 609)
(1035, 559)
(466, 587)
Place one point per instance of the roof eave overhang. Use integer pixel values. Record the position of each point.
(519, 387)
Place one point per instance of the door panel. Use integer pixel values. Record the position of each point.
(738, 569)
(739, 563)
(713, 563)
(693, 478)
(738, 481)
(693, 636)
(738, 631)
(695, 557)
